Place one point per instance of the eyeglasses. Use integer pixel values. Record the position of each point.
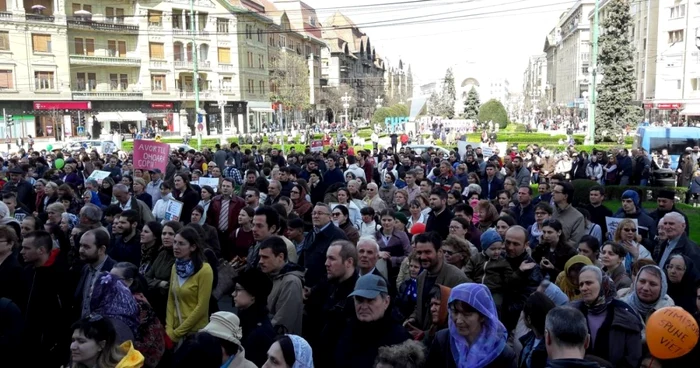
(336, 214)
(448, 252)
(628, 230)
(675, 267)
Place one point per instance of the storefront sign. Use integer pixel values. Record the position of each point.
(63, 105)
(149, 155)
(161, 105)
(669, 106)
(648, 106)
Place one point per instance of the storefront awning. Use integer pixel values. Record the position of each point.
(691, 110)
(119, 116)
(261, 109)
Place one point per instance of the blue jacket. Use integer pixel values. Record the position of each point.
(496, 186)
(624, 165)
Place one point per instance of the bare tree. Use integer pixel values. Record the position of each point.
(330, 96)
(290, 78)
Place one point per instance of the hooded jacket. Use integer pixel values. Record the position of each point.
(285, 302)
(643, 219)
(492, 273)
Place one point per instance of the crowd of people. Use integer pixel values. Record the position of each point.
(383, 258)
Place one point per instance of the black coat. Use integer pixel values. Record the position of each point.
(313, 253)
(190, 198)
(440, 354)
(11, 330)
(520, 287)
(439, 223)
(258, 334)
(496, 186)
(538, 355)
(685, 246)
(359, 342)
(11, 286)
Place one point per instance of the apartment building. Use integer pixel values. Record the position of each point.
(573, 56)
(398, 83)
(535, 81)
(351, 59)
(34, 73)
(677, 94)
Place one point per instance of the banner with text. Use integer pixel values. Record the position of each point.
(149, 155)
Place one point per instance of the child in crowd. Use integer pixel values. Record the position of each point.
(490, 267)
(368, 227)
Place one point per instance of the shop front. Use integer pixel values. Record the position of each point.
(162, 118)
(259, 116)
(664, 112)
(57, 119)
(122, 117)
(233, 121)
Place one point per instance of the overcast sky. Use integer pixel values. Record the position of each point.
(498, 34)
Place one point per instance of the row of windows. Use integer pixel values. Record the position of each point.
(43, 80)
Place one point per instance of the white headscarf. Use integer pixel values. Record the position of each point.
(302, 352)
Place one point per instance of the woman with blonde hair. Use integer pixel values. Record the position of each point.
(627, 235)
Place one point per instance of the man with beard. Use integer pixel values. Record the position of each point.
(93, 251)
(439, 217)
(127, 246)
(328, 307)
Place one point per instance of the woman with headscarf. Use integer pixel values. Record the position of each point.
(594, 170)
(682, 288)
(302, 207)
(614, 327)
(112, 299)
(475, 337)
(290, 351)
(649, 292)
(567, 280)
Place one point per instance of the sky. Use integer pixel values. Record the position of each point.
(432, 35)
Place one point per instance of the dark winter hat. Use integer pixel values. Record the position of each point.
(490, 237)
(668, 194)
(255, 283)
(401, 217)
(630, 194)
(370, 286)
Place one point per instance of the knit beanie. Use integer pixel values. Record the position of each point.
(490, 237)
(631, 194)
(255, 283)
(401, 217)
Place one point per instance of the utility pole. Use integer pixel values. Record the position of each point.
(196, 75)
(281, 121)
(594, 72)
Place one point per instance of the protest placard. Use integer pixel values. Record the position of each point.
(149, 155)
(212, 182)
(173, 210)
(317, 146)
(99, 175)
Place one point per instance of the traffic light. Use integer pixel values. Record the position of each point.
(9, 120)
(82, 120)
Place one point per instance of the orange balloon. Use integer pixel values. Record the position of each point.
(671, 333)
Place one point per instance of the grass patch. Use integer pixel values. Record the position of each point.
(692, 213)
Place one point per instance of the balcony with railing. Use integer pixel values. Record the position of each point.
(5, 15)
(104, 60)
(189, 65)
(97, 94)
(90, 25)
(189, 94)
(32, 17)
(178, 32)
(159, 64)
(226, 68)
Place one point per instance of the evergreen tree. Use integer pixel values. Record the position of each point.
(471, 105)
(434, 105)
(448, 95)
(617, 89)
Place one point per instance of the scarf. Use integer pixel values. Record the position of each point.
(637, 304)
(563, 282)
(493, 336)
(301, 205)
(605, 297)
(535, 231)
(148, 255)
(302, 352)
(184, 268)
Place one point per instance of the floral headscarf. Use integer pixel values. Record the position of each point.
(492, 339)
(112, 299)
(302, 352)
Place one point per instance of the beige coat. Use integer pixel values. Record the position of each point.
(240, 361)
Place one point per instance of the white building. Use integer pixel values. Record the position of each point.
(535, 81)
(487, 83)
(678, 64)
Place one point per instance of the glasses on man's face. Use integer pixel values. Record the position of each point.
(315, 213)
(455, 228)
(448, 252)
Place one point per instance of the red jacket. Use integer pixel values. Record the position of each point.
(234, 208)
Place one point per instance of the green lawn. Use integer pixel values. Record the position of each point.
(692, 213)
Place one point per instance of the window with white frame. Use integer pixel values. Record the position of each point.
(677, 11)
(675, 36)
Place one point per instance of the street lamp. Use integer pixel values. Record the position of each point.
(346, 105)
(222, 103)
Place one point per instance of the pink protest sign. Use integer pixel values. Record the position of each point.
(149, 155)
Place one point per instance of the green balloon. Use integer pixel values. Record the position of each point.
(49, 147)
(60, 163)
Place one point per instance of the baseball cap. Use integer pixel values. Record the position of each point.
(155, 171)
(370, 286)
